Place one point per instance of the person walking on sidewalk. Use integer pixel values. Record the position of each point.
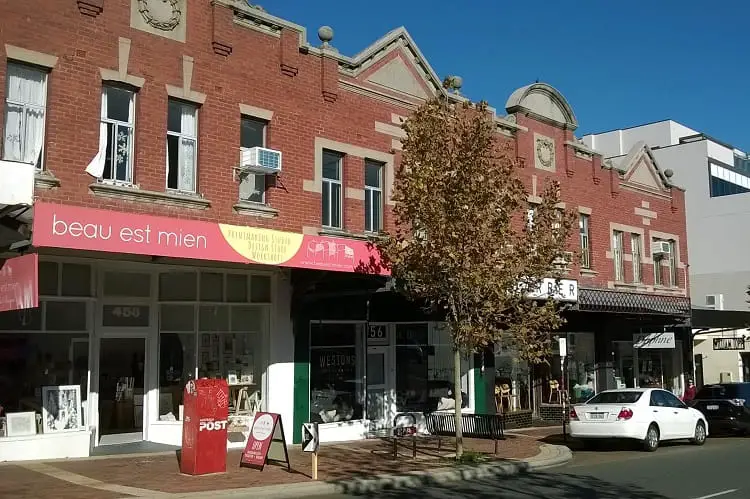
(689, 392)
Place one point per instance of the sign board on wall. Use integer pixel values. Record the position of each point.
(19, 282)
(74, 227)
(737, 343)
(561, 290)
(654, 340)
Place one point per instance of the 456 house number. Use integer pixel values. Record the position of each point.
(126, 312)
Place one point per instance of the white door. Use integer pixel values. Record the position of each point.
(380, 400)
(683, 417)
(663, 415)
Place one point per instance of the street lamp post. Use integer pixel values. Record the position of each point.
(563, 344)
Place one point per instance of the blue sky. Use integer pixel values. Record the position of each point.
(619, 64)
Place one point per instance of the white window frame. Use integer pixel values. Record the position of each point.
(180, 137)
(326, 184)
(116, 124)
(25, 105)
(636, 248)
(265, 138)
(617, 255)
(658, 274)
(583, 227)
(673, 263)
(370, 224)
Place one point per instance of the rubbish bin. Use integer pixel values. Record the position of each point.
(204, 427)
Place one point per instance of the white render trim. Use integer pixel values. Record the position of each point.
(256, 112)
(316, 184)
(121, 74)
(21, 54)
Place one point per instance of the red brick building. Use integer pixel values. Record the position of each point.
(206, 176)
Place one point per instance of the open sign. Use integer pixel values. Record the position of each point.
(212, 426)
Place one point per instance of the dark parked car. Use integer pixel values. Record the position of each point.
(726, 407)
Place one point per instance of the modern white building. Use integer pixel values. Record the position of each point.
(716, 177)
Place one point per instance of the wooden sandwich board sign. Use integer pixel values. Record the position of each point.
(266, 442)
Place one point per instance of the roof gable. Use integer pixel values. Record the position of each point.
(545, 102)
(394, 62)
(397, 76)
(640, 169)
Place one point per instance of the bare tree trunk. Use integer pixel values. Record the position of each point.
(459, 401)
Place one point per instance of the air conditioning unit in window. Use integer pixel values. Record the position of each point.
(661, 248)
(260, 160)
(715, 302)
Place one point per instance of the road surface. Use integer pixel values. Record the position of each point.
(676, 471)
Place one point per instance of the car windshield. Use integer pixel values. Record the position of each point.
(615, 398)
(728, 391)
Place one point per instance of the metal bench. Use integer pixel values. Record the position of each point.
(489, 426)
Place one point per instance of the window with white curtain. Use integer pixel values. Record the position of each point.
(673, 264)
(617, 251)
(25, 109)
(117, 129)
(182, 146)
(636, 248)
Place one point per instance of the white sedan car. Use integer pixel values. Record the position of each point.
(649, 415)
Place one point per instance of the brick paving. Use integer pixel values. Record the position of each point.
(161, 472)
(17, 482)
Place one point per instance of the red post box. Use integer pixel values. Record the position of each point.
(204, 427)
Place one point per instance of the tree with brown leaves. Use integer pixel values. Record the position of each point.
(467, 241)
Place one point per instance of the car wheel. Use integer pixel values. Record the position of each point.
(700, 434)
(651, 442)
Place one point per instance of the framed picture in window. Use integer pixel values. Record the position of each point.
(20, 424)
(61, 408)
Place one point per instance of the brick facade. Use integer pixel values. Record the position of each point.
(589, 188)
(313, 93)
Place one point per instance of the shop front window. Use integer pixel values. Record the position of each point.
(219, 335)
(580, 367)
(47, 346)
(176, 367)
(624, 367)
(31, 361)
(661, 368)
(511, 380)
(335, 372)
(424, 369)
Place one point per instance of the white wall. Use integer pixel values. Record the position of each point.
(279, 382)
(619, 142)
(717, 361)
(721, 153)
(46, 446)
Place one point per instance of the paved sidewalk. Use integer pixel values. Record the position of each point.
(358, 464)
